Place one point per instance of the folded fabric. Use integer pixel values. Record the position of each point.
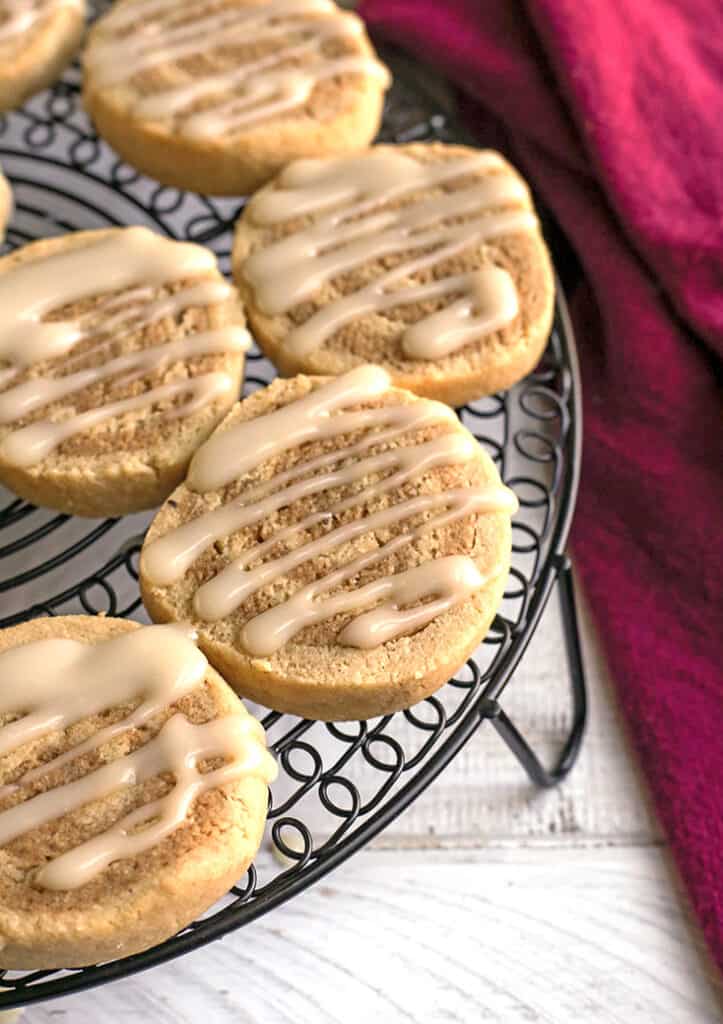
(615, 111)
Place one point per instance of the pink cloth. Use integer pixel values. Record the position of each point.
(616, 112)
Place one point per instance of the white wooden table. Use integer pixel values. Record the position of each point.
(486, 901)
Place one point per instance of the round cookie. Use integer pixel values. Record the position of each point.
(120, 351)
(425, 259)
(340, 545)
(37, 39)
(6, 204)
(217, 95)
(98, 719)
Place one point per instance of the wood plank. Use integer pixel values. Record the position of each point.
(550, 935)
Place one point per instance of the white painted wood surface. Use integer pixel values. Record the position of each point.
(487, 901)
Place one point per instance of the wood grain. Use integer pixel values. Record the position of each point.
(548, 935)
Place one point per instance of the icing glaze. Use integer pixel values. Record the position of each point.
(209, 105)
(343, 195)
(51, 684)
(21, 16)
(133, 262)
(328, 413)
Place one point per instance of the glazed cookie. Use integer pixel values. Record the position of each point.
(341, 546)
(217, 95)
(37, 39)
(120, 351)
(6, 204)
(425, 259)
(133, 789)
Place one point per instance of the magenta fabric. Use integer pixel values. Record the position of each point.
(615, 110)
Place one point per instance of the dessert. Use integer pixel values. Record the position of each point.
(6, 204)
(340, 545)
(120, 351)
(426, 259)
(133, 789)
(217, 95)
(37, 39)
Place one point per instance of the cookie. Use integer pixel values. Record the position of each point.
(217, 95)
(6, 204)
(133, 789)
(37, 39)
(341, 546)
(425, 259)
(120, 351)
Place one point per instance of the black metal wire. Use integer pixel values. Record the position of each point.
(490, 708)
(357, 776)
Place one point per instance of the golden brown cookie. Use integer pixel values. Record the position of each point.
(120, 351)
(340, 545)
(37, 39)
(133, 789)
(217, 95)
(425, 259)
(6, 204)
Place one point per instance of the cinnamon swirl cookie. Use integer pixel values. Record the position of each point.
(340, 545)
(37, 39)
(217, 95)
(133, 789)
(120, 351)
(425, 259)
(6, 204)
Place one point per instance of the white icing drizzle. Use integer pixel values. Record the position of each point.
(445, 581)
(343, 195)
(21, 16)
(170, 557)
(327, 413)
(229, 454)
(133, 261)
(259, 89)
(30, 445)
(51, 684)
(124, 259)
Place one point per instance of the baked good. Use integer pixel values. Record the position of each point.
(425, 259)
(37, 39)
(133, 789)
(120, 351)
(340, 545)
(6, 204)
(217, 95)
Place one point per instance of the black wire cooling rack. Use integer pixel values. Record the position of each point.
(339, 784)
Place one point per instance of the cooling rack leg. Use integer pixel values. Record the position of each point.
(509, 732)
